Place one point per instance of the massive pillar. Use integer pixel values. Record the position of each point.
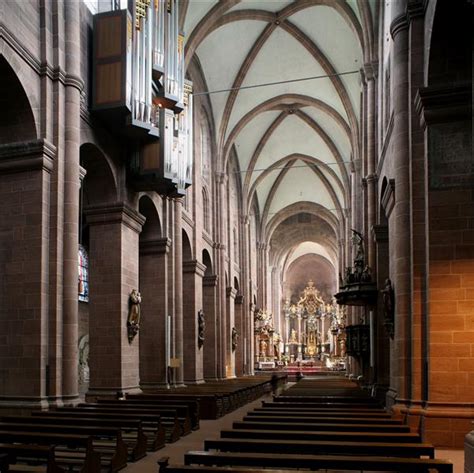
(113, 258)
(25, 170)
(229, 326)
(212, 361)
(242, 335)
(154, 256)
(193, 273)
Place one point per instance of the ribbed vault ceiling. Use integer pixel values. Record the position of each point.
(294, 141)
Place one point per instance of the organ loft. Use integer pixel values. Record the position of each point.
(205, 201)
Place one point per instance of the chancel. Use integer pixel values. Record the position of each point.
(205, 201)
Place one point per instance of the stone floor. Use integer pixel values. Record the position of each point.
(210, 429)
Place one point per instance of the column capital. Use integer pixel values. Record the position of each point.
(400, 23)
(239, 299)
(159, 246)
(370, 71)
(221, 177)
(231, 292)
(117, 212)
(219, 246)
(261, 246)
(194, 267)
(416, 9)
(371, 178)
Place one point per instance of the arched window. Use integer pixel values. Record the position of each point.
(83, 272)
(205, 210)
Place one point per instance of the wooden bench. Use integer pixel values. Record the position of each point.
(24, 458)
(132, 431)
(346, 427)
(312, 462)
(322, 406)
(310, 418)
(70, 447)
(338, 436)
(172, 425)
(181, 411)
(29, 450)
(192, 405)
(303, 447)
(151, 424)
(320, 413)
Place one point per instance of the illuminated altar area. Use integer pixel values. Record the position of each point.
(314, 331)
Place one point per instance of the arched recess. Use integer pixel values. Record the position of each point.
(98, 188)
(212, 342)
(17, 122)
(153, 289)
(110, 231)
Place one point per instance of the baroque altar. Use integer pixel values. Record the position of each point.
(267, 341)
(314, 329)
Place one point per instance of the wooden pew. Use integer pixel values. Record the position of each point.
(338, 436)
(192, 405)
(172, 425)
(132, 431)
(181, 411)
(207, 460)
(16, 457)
(23, 452)
(151, 424)
(302, 447)
(346, 427)
(322, 406)
(370, 418)
(114, 456)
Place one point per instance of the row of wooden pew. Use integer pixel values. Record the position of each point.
(104, 435)
(219, 398)
(317, 424)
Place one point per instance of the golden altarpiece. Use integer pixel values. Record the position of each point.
(314, 330)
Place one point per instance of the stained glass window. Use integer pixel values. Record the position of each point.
(83, 270)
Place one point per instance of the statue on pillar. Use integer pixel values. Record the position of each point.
(133, 321)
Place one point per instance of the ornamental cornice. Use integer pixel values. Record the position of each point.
(26, 156)
(115, 213)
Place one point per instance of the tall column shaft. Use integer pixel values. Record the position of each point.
(400, 218)
(178, 288)
(71, 199)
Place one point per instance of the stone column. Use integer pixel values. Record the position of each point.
(370, 74)
(193, 273)
(113, 266)
(230, 323)
(212, 359)
(178, 291)
(246, 295)
(25, 175)
(154, 310)
(399, 222)
(71, 199)
(242, 341)
(221, 180)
